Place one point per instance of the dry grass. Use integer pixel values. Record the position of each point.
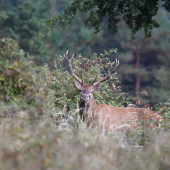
(67, 144)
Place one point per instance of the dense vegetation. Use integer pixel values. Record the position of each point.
(39, 123)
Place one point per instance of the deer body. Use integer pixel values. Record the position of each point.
(103, 115)
(112, 117)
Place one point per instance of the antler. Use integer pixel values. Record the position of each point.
(107, 75)
(82, 76)
(70, 69)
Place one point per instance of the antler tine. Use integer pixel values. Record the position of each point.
(65, 56)
(109, 72)
(82, 76)
(116, 65)
(95, 79)
(70, 68)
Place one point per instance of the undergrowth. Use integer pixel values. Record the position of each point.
(54, 143)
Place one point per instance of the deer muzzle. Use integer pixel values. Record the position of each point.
(85, 97)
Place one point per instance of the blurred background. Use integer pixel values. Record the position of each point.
(144, 63)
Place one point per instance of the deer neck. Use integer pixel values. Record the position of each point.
(86, 108)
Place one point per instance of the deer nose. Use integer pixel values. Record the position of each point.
(85, 97)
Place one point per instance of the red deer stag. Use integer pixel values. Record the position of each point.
(103, 115)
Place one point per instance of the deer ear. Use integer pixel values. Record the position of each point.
(78, 85)
(97, 87)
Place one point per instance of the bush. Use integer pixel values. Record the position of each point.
(15, 73)
(22, 86)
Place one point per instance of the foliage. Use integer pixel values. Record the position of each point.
(79, 39)
(165, 109)
(3, 15)
(136, 14)
(21, 87)
(13, 79)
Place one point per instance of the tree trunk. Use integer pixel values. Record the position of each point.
(137, 57)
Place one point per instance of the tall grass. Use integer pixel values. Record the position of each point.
(62, 141)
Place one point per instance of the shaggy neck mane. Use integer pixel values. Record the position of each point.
(85, 107)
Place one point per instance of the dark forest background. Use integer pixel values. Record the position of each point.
(144, 63)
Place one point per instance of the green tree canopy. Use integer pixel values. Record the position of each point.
(24, 23)
(145, 63)
(137, 14)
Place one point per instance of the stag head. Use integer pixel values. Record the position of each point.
(86, 91)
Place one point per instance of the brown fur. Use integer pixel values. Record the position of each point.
(112, 117)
